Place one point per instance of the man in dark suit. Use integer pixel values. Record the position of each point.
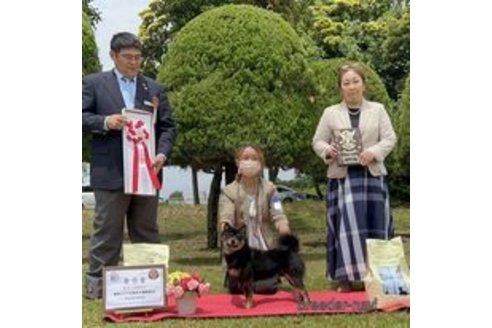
(104, 95)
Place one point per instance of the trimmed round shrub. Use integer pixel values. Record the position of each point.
(238, 74)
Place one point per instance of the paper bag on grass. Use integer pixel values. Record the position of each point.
(387, 276)
(145, 254)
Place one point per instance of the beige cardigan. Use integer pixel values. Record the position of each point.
(377, 132)
(271, 217)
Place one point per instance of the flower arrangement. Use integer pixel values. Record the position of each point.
(179, 282)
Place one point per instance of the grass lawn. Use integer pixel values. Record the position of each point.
(183, 228)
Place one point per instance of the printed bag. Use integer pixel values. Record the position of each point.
(387, 277)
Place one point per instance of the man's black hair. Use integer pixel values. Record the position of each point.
(125, 40)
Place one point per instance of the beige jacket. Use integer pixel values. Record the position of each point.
(377, 132)
(272, 215)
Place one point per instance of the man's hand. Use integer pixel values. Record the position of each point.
(116, 122)
(159, 162)
(366, 157)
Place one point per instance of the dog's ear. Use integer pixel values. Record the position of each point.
(227, 226)
(242, 227)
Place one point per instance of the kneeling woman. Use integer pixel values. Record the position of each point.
(254, 201)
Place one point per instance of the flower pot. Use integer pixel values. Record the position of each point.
(187, 303)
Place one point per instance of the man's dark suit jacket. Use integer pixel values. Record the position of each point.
(101, 96)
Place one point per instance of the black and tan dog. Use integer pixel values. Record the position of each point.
(250, 265)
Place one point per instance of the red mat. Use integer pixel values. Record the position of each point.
(282, 303)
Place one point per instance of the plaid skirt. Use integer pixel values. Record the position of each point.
(357, 208)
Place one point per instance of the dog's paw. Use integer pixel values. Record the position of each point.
(248, 304)
(303, 298)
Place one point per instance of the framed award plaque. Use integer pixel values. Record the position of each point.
(134, 289)
(349, 146)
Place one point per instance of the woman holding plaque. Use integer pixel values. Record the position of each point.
(353, 138)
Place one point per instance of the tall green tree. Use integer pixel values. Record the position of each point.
(237, 74)
(399, 181)
(376, 32)
(91, 11)
(393, 59)
(90, 58)
(90, 64)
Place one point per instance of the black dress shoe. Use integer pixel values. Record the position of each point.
(93, 288)
(93, 294)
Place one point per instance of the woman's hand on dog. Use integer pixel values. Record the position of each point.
(283, 228)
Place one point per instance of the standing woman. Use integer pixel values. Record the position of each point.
(357, 198)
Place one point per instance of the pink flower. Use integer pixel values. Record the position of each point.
(181, 282)
(178, 292)
(170, 291)
(192, 284)
(203, 288)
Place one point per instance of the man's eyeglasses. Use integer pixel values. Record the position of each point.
(129, 57)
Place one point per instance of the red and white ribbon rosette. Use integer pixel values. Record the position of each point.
(137, 134)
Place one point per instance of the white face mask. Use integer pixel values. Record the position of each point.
(249, 168)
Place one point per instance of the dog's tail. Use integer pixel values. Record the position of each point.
(290, 242)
